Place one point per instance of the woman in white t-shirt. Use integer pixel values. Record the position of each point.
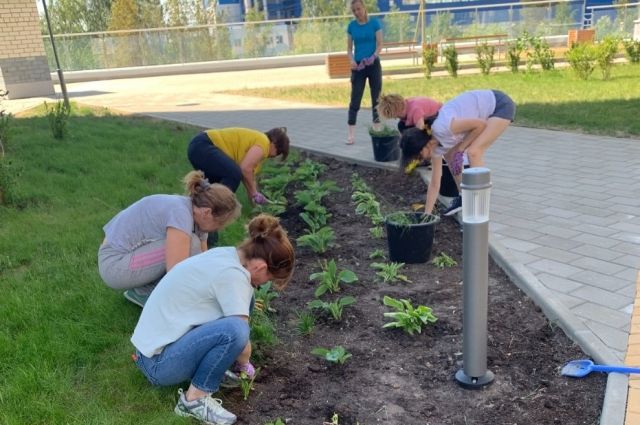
(468, 123)
(195, 324)
(145, 240)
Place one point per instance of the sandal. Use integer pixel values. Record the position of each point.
(350, 141)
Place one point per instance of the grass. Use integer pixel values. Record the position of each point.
(64, 339)
(552, 100)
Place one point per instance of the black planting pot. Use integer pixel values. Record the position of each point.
(385, 148)
(410, 242)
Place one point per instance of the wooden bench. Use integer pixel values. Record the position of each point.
(338, 65)
(469, 44)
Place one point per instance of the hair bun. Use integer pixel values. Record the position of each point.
(263, 226)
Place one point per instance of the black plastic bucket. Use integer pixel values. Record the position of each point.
(410, 242)
(385, 148)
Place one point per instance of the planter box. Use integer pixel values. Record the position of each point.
(581, 36)
(338, 65)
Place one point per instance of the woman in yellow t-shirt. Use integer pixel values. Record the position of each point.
(231, 155)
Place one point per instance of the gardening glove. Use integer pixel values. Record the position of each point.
(456, 164)
(246, 368)
(370, 60)
(259, 198)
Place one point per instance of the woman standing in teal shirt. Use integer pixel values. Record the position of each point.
(365, 34)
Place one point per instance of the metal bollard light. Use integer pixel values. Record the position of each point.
(476, 191)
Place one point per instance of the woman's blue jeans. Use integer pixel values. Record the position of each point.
(202, 355)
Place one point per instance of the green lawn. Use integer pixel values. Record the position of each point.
(553, 100)
(64, 335)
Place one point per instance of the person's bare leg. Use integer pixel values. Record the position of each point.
(495, 127)
(351, 135)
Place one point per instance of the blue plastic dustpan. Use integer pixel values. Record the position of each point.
(580, 368)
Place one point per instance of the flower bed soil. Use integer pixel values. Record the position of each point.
(396, 378)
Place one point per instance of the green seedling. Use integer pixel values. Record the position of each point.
(319, 241)
(360, 197)
(377, 232)
(336, 355)
(264, 295)
(334, 308)
(277, 421)
(369, 208)
(377, 253)
(390, 272)
(401, 218)
(306, 322)
(443, 260)
(246, 383)
(359, 184)
(330, 278)
(334, 420)
(407, 317)
(308, 170)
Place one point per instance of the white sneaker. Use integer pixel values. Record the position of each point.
(208, 410)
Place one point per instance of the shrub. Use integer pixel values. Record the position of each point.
(605, 53)
(58, 117)
(582, 57)
(5, 123)
(484, 54)
(451, 60)
(632, 50)
(514, 50)
(429, 59)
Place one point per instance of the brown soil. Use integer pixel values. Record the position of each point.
(396, 378)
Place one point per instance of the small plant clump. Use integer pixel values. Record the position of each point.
(429, 59)
(277, 421)
(330, 278)
(632, 50)
(334, 308)
(407, 317)
(384, 130)
(306, 323)
(337, 355)
(583, 58)
(377, 253)
(401, 218)
(390, 272)
(246, 383)
(58, 116)
(451, 60)
(443, 260)
(264, 295)
(485, 56)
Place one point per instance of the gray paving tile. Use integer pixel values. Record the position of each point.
(632, 261)
(554, 242)
(612, 337)
(596, 240)
(518, 244)
(555, 268)
(596, 265)
(627, 248)
(603, 315)
(558, 212)
(518, 233)
(591, 251)
(600, 280)
(629, 274)
(628, 291)
(602, 297)
(555, 254)
(557, 283)
(567, 300)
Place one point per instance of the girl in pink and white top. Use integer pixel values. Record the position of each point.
(469, 123)
(411, 111)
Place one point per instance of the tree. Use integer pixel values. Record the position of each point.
(256, 36)
(126, 47)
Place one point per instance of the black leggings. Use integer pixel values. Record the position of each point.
(358, 80)
(216, 165)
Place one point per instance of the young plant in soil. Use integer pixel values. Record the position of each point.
(277, 421)
(334, 307)
(264, 295)
(390, 272)
(330, 278)
(246, 383)
(377, 253)
(315, 216)
(306, 322)
(407, 317)
(337, 355)
(319, 241)
(443, 260)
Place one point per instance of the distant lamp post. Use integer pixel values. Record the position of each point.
(476, 191)
(63, 86)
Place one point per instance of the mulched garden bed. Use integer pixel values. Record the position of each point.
(396, 378)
